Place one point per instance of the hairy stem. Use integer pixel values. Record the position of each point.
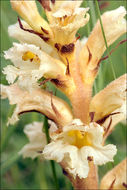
(81, 96)
(89, 183)
(80, 100)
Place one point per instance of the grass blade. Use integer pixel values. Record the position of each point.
(108, 52)
(9, 162)
(51, 162)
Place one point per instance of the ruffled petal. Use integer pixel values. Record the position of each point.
(15, 54)
(31, 64)
(100, 155)
(76, 145)
(37, 140)
(65, 18)
(11, 73)
(73, 162)
(61, 8)
(66, 23)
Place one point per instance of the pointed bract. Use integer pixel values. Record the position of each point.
(117, 175)
(110, 103)
(38, 100)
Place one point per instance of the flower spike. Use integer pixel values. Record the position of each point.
(51, 51)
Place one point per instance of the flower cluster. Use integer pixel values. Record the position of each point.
(51, 51)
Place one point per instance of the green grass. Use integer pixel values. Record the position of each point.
(19, 173)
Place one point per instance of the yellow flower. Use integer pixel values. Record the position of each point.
(31, 64)
(78, 144)
(65, 20)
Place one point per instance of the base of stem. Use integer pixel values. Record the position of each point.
(89, 183)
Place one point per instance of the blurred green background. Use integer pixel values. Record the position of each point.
(19, 173)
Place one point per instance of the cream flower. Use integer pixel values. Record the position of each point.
(66, 21)
(65, 18)
(37, 140)
(76, 145)
(31, 64)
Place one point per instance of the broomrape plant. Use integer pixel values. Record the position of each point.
(50, 50)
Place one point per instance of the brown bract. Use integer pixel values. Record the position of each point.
(38, 100)
(116, 178)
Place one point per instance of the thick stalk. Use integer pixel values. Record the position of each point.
(89, 183)
(80, 100)
(81, 96)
